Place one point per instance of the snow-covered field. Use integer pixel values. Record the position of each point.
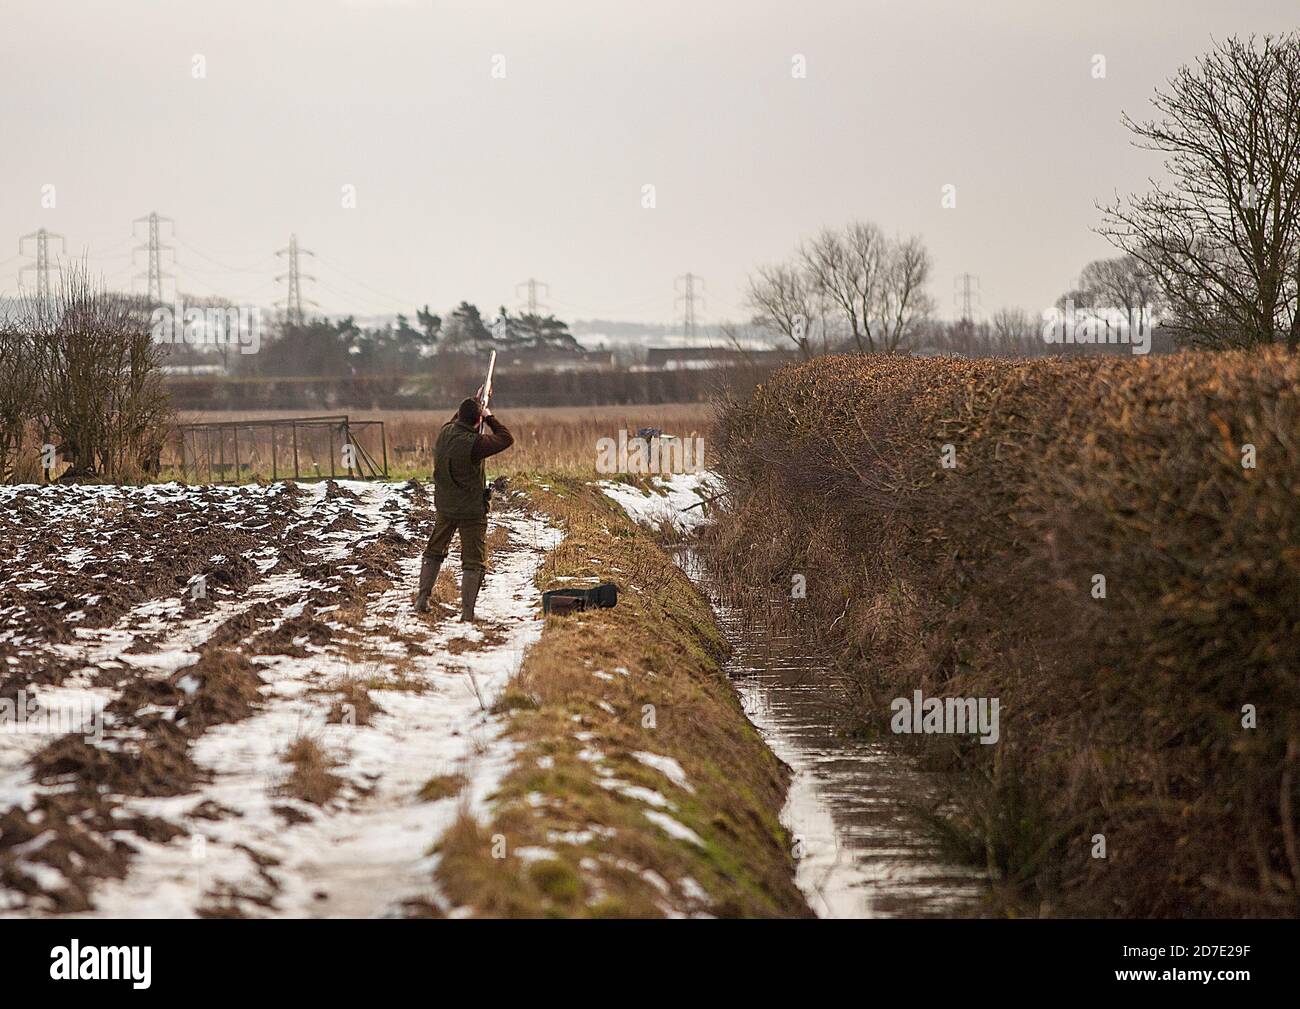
(679, 500)
(203, 631)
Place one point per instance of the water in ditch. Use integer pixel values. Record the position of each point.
(862, 854)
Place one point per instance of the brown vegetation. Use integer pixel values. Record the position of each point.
(561, 439)
(82, 373)
(442, 786)
(1122, 716)
(599, 688)
(312, 778)
(354, 706)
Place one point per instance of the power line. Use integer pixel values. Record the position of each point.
(641, 302)
(243, 298)
(347, 275)
(350, 298)
(118, 248)
(257, 265)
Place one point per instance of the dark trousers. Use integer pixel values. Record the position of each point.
(473, 540)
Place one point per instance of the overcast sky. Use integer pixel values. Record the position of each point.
(467, 184)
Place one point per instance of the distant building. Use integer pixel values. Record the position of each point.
(555, 360)
(680, 358)
(192, 369)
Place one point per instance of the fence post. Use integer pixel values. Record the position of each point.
(274, 468)
(296, 475)
(238, 474)
(383, 441)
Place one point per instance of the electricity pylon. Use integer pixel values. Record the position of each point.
(967, 294)
(533, 285)
(293, 301)
(42, 266)
(155, 249)
(687, 299)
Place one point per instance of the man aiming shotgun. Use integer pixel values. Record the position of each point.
(460, 495)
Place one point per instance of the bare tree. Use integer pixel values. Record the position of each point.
(1014, 333)
(784, 300)
(846, 270)
(903, 300)
(98, 384)
(1123, 282)
(17, 374)
(1222, 236)
(868, 285)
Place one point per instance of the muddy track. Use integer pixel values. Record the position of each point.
(264, 742)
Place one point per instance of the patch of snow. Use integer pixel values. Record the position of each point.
(667, 766)
(676, 499)
(673, 828)
(367, 850)
(694, 891)
(638, 792)
(533, 853)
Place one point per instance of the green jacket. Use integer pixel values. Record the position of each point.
(458, 481)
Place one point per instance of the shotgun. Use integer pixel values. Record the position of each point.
(485, 392)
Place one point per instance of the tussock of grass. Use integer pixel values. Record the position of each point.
(354, 706)
(513, 700)
(445, 588)
(311, 779)
(228, 690)
(591, 845)
(397, 682)
(441, 786)
(498, 539)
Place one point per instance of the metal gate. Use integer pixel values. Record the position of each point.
(300, 448)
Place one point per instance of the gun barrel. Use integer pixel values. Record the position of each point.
(487, 387)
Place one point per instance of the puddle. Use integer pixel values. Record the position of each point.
(862, 856)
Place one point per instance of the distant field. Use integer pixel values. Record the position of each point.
(552, 438)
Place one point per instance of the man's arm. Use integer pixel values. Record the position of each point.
(491, 442)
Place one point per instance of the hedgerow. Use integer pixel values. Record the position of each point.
(954, 521)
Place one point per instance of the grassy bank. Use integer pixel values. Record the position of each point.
(640, 788)
(1111, 548)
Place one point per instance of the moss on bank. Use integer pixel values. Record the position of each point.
(641, 789)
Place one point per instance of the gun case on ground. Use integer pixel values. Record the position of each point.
(562, 601)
